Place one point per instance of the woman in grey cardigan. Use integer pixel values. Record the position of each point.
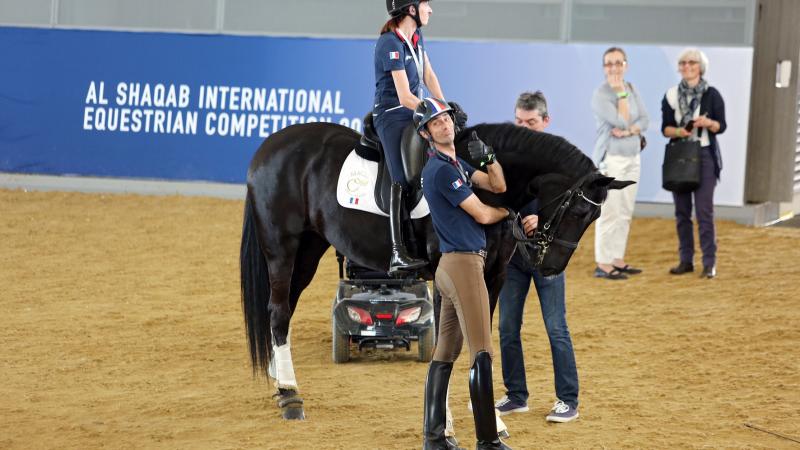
(621, 119)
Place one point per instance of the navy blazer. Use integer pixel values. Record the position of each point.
(713, 106)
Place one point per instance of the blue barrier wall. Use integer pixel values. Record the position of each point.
(195, 107)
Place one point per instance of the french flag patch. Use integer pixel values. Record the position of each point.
(394, 55)
(353, 200)
(457, 184)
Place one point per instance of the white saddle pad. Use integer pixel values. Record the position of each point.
(356, 187)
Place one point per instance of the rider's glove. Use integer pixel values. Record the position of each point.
(459, 116)
(479, 151)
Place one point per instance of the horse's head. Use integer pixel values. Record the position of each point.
(566, 206)
(566, 209)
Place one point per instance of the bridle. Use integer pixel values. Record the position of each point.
(545, 235)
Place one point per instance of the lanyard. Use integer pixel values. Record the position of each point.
(419, 61)
(457, 165)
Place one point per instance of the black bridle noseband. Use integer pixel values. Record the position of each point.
(545, 235)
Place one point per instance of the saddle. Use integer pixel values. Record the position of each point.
(414, 155)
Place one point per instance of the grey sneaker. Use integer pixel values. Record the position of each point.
(562, 412)
(506, 406)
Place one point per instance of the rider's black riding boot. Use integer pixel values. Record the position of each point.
(436, 407)
(480, 391)
(400, 257)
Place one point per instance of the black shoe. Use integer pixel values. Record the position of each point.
(615, 274)
(400, 259)
(682, 268)
(452, 443)
(482, 398)
(499, 445)
(629, 270)
(709, 272)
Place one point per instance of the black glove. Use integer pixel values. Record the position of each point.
(479, 151)
(459, 115)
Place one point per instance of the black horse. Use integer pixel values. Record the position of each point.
(292, 217)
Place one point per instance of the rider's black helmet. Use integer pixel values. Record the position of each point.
(428, 109)
(395, 7)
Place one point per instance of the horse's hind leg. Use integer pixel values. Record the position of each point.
(280, 249)
(312, 247)
(309, 248)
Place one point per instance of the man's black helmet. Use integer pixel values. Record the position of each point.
(395, 7)
(427, 110)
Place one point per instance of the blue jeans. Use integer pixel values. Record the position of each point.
(551, 298)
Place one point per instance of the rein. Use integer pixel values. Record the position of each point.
(545, 236)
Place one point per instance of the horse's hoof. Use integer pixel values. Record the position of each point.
(293, 413)
(291, 404)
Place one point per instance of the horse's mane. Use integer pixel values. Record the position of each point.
(550, 153)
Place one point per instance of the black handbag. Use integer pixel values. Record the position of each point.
(681, 169)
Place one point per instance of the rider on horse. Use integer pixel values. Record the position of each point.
(401, 68)
(458, 217)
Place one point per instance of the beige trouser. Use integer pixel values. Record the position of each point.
(465, 307)
(614, 224)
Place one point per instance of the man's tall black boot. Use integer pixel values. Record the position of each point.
(480, 391)
(401, 260)
(435, 407)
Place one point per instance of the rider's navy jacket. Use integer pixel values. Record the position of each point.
(392, 53)
(446, 183)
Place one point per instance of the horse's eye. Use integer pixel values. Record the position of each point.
(579, 210)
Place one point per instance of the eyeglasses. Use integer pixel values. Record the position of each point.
(615, 64)
(688, 63)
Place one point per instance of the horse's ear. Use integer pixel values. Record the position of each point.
(602, 180)
(619, 184)
(611, 182)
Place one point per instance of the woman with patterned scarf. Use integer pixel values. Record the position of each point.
(696, 111)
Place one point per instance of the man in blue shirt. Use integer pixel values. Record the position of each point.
(458, 216)
(531, 113)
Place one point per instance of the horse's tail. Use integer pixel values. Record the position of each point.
(255, 292)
